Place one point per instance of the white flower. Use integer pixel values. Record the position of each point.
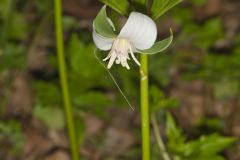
(139, 33)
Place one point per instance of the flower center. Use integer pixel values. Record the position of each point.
(120, 53)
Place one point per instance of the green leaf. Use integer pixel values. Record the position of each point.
(159, 46)
(101, 24)
(81, 56)
(4, 7)
(92, 98)
(209, 145)
(12, 131)
(209, 33)
(80, 129)
(159, 7)
(159, 101)
(51, 116)
(93, 101)
(13, 56)
(120, 7)
(175, 136)
(19, 32)
(226, 89)
(47, 93)
(207, 158)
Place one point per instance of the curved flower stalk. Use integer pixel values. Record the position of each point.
(138, 35)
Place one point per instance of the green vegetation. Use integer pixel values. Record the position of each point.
(26, 33)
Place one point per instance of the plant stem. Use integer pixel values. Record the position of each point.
(162, 148)
(64, 81)
(144, 107)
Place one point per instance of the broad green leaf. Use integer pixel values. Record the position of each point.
(101, 24)
(159, 46)
(119, 6)
(159, 7)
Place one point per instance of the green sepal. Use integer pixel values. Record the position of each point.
(159, 46)
(102, 25)
(159, 7)
(121, 6)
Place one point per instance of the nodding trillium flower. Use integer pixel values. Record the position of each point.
(137, 35)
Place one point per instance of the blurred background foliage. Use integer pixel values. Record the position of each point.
(195, 84)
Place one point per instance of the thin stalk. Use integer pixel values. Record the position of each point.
(144, 107)
(64, 81)
(160, 143)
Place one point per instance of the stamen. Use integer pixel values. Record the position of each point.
(112, 59)
(108, 56)
(120, 53)
(118, 61)
(134, 58)
(127, 66)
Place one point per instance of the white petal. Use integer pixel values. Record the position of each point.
(101, 42)
(140, 30)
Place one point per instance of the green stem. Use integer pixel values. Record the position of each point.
(144, 107)
(161, 146)
(64, 81)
